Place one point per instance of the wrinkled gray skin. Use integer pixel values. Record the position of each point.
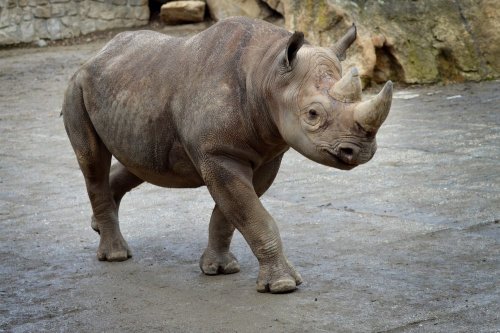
(218, 109)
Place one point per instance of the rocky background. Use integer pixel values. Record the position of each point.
(409, 41)
(24, 21)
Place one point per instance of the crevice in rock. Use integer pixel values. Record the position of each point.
(387, 66)
(468, 28)
(275, 17)
(447, 66)
(154, 9)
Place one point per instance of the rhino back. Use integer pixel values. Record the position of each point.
(121, 90)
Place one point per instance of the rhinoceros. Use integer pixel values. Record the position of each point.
(218, 109)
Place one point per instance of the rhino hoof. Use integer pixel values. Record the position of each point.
(113, 250)
(114, 256)
(279, 278)
(278, 287)
(213, 264)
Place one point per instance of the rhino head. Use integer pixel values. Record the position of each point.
(320, 113)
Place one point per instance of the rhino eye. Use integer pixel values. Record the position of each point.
(313, 117)
(313, 114)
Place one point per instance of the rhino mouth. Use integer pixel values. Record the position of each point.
(338, 162)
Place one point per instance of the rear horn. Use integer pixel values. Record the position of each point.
(343, 43)
(348, 89)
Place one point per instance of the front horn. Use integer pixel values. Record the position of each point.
(371, 114)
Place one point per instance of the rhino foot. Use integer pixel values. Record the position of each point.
(212, 263)
(278, 278)
(113, 248)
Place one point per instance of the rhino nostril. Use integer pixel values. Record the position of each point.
(347, 152)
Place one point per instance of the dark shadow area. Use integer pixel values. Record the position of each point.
(387, 67)
(448, 67)
(154, 9)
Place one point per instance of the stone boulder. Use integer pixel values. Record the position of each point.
(183, 12)
(221, 9)
(409, 41)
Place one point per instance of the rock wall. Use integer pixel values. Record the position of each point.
(24, 21)
(412, 41)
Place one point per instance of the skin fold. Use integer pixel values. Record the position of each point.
(218, 109)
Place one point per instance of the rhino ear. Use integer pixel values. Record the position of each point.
(292, 47)
(343, 43)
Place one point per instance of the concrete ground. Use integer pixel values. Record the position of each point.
(406, 243)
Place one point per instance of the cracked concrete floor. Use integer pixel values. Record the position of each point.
(406, 243)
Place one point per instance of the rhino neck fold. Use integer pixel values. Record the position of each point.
(260, 84)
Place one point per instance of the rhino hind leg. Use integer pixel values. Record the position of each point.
(121, 181)
(217, 259)
(94, 160)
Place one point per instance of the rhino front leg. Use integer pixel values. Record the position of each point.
(230, 184)
(217, 258)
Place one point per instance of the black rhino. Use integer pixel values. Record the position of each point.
(218, 109)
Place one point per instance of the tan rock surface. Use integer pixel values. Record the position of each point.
(405, 40)
(221, 9)
(183, 12)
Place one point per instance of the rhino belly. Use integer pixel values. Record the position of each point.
(156, 157)
(175, 169)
